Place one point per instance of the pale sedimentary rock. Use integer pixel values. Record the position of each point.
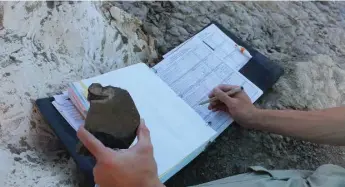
(45, 46)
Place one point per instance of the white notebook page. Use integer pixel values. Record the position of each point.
(194, 69)
(176, 129)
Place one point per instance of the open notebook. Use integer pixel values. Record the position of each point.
(167, 96)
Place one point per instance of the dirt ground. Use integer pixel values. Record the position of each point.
(48, 45)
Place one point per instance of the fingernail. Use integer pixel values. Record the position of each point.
(142, 121)
(216, 90)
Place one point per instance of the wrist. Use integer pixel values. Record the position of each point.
(256, 119)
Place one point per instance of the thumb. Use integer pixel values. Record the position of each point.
(144, 139)
(223, 97)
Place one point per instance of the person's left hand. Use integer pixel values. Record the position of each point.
(127, 167)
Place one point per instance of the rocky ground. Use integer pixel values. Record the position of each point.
(46, 40)
(44, 46)
(305, 38)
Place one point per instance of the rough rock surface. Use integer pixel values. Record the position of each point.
(44, 46)
(47, 45)
(113, 117)
(306, 38)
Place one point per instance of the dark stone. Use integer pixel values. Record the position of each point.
(136, 49)
(277, 48)
(125, 59)
(13, 58)
(112, 118)
(17, 159)
(50, 4)
(32, 159)
(124, 39)
(14, 149)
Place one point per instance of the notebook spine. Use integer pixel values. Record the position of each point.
(208, 144)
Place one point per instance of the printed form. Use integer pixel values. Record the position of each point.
(222, 46)
(198, 66)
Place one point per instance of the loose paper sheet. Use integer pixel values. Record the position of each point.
(68, 110)
(194, 69)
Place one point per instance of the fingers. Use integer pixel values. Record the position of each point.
(223, 87)
(95, 146)
(226, 87)
(218, 107)
(214, 103)
(210, 106)
(144, 139)
(97, 173)
(222, 96)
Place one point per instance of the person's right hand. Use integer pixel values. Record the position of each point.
(238, 106)
(130, 167)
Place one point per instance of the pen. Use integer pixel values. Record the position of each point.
(243, 50)
(229, 93)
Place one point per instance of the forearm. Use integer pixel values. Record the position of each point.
(322, 126)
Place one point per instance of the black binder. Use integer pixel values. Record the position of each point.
(260, 70)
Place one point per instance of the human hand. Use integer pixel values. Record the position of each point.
(126, 167)
(238, 106)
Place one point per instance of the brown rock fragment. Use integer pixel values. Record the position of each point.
(113, 117)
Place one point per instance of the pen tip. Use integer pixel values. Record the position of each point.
(242, 88)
